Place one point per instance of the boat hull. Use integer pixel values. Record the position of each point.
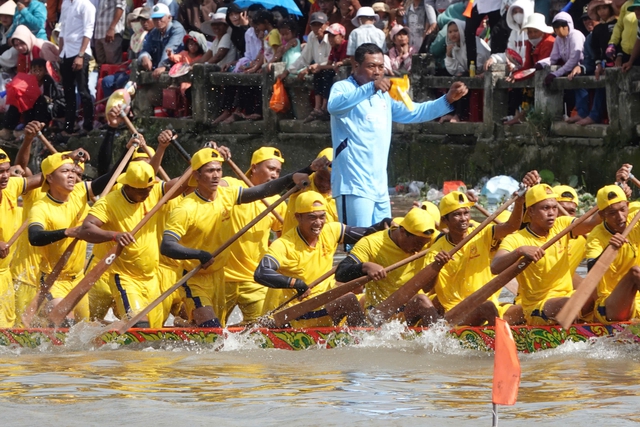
(529, 339)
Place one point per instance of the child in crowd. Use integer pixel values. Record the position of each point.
(194, 45)
(289, 50)
(401, 52)
(365, 31)
(265, 25)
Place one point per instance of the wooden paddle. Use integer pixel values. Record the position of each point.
(485, 212)
(60, 311)
(572, 308)
(46, 143)
(426, 276)
(163, 175)
(458, 313)
(18, 232)
(119, 169)
(135, 319)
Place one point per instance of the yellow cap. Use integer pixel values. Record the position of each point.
(327, 152)
(141, 154)
(310, 201)
(79, 164)
(536, 194)
(51, 163)
(433, 210)
(201, 158)
(4, 157)
(454, 201)
(138, 175)
(633, 207)
(609, 195)
(419, 223)
(566, 193)
(265, 153)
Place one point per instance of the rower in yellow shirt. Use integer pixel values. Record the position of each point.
(568, 199)
(321, 183)
(545, 285)
(246, 252)
(305, 253)
(617, 293)
(374, 252)
(201, 223)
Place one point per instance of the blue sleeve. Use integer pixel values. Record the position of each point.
(423, 111)
(34, 19)
(146, 48)
(341, 101)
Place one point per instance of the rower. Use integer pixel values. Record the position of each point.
(305, 253)
(470, 268)
(373, 253)
(546, 285)
(321, 183)
(248, 250)
(568, 199)
(200, 224)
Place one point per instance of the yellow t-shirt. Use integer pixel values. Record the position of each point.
(199, 223)
(163, 218)
(10, 214)
(468, 270)
(577, 248)
(290, 221)
(26, 260)
(273, 38)
(597, 242)
(246, 252)
(119, 213)
(53, 215)
(380, 249)
(551, 276)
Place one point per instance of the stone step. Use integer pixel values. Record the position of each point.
(590, 131)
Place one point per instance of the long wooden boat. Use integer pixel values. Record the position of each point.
(528, 339)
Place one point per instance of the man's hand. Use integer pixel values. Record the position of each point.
(431, 28)
(456, 91)
(618, 61)
(449, 50)
(206, 259)
(577, 70)
(146, 63)
(533, 253)
(78, 62)
(4, 250)
(489, 63)
(111, 34)
(158, 72)
(382, 84)
(80, 155)
(72, 232)
(16, 170)
(31, 130)
(626, 66)
(165, 137)
(136, 138)
(622, 175)
(627, 190)
(441, 259)
(312, 68)
(301, 179)
(224, 152)
(531, 178)
(302, 74)
(124, 239)
(374, 271)
(549, 79)
(617, 241)
(320, 163)
(599, 71)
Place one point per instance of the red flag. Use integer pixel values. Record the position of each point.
(506, 367)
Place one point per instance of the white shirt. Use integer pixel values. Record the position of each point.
(77, 19)
(367, 34)
(314, 52)
(224, 43)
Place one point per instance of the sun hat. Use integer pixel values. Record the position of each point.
(537, 21)
(160, 11)
(364, 11)
(396, 29)
(214, 18)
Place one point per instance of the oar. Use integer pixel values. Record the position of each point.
(134, 131)
(46, 143)
(311, 285)
(60, 311)
(18, 232)
(426, 276)
(135, 319)
(292, 313)
(485, 212)
(246, 180)
(35, 304)
(458, 313)
(572, 308)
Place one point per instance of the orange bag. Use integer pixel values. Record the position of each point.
(279, 100)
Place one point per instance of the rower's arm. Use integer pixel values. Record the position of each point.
(353, 234)
(92, 232)
(277, 186)
(172, 249)
(24, 153)
(267, 275)
(164, 139)
(349, 269)
(500, 231)
(98, 185)
(169, 185)
(503, 259)
(38, 236)
(587, 226)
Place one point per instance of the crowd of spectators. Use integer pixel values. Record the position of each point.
(77, 37)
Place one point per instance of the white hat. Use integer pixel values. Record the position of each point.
(8, 8)
(160, 11)
(537, 22)
(364, 11)
(214, 18)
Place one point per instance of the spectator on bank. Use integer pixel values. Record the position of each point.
(7, 11)
(28, 48)
(513, 58)
(166, 34)
(173, 6)
(624, 38)
(497, 27)
(329, 8)
(634, 58)
(348, 9)
(265, 24)
(401, 52)
(289, 50)
(33, 15)
(365, 31)
(191, 50)
(238, 21)
(107, 36)
(140, 23)
(383, 11)
(77, 19)
(420, 20)
(222, 52)
(192, 13)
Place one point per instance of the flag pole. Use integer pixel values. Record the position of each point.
(495, 415)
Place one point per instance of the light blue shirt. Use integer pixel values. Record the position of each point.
(361, 135)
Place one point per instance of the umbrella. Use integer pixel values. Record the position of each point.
(23, 91)
(290, 5)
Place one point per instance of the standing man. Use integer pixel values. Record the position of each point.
(361, 115)
(167, 34)
(77, 20)
(108, 31)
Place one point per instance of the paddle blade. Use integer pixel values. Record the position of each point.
(506, 366)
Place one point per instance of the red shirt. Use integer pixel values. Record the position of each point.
(539, 52)
(338, 53)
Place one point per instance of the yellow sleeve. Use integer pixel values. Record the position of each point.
(362, 250)
(616, 35)
(510, 243)
(278, 251)
(179, 222)
(337, 231)
(276, 225)
(595, 244)
(274, 38)
(100, 210)
(38, 215)
(16, 187)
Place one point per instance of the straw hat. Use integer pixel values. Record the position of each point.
(214, 18)
(592, 10)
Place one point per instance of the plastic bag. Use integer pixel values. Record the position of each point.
(279, 100)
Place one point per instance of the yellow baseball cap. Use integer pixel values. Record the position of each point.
(138, 175)
(201, 158)
(51, 163)
(454, 201)
(566, 193)
(79, 164)
(310, 201)
(536, 194)
(432, 210)
(141, 154)
(419, 223)
(4, 157)
(265, 153)
(327, 152)
(609, 195)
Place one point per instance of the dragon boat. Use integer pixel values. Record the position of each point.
(528, 339)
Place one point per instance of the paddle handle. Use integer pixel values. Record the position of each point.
(46, 143)
(485, 212)
(163, 175)
(572, 308)
(635, 180)
(118, 170)
(246, 180)
(18, 232)
(59, 312)
(135, 319)
(183, 153)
